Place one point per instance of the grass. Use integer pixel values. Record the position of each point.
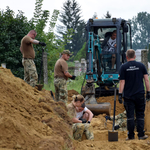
(76, 84)
(71, 84)
(49, 87)
(70, 64)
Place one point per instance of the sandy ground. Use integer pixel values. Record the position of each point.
(32, 120)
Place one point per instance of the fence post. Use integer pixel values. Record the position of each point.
(45, 70)
(83, 65)
(77, 67)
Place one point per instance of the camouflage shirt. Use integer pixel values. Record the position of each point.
(71, 110)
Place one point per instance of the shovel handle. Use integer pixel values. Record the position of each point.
(52, 95)
(114, 106)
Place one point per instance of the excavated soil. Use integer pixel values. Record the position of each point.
(32, 120)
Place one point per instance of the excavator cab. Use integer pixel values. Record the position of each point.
(107, 43)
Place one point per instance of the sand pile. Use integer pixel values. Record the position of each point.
(30, 119)
(101, 127)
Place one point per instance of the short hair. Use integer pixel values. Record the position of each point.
(130, 53)
(32, 32)
(114, 31)
(78, 98)
(83, 105)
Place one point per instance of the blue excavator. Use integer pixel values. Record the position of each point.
(104, 61)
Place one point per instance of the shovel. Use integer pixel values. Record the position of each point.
(113, 135)
(40, 86)
(52, 95)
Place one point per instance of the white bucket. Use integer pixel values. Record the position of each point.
(3, 65)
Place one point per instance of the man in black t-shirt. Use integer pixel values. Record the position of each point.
(131, 85)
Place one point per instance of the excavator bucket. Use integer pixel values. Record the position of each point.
(91, 103)
(102, 108)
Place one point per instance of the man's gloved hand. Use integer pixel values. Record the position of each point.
(148, 95)
(42, 43)
(73, 77)
(116, 127)
(120, 98)
(107, 117)
(83, 120)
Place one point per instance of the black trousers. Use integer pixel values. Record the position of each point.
(135, 105)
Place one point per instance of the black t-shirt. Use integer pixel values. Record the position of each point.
(133, 73)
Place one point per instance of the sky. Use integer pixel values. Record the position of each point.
(125, 9)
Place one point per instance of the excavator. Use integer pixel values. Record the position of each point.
(99, 60)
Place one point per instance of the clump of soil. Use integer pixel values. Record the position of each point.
(31, 119)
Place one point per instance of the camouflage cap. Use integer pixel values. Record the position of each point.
(66, 52)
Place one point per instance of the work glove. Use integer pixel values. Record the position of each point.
(148, 95)
(83, 120)
(116, 127)
(42, 43)
(107, 118)
(73, 77)
(120, 98)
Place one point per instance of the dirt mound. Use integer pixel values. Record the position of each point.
(30, 119)
(119, 107)
(70, 94)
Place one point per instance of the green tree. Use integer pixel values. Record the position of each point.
(12, 29)
(140, 30)
(81, 53)
(54, 47)
(70, 17)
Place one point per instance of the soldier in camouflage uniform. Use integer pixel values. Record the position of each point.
(121, 121)
(61, 76)
(30, 73)
(26, 48)
(79, 126)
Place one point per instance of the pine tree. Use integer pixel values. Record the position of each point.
(70, 17)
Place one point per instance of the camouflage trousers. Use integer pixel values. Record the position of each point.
(30, 73)
(80, 128)
(61, 93)
(122, 124)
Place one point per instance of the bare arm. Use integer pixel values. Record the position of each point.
(90, 115)
(34, 41)
(76, 120)
(146, 79)
(67, 74)
(121, 85)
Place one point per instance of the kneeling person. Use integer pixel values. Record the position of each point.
(84, 114)
(79, 126)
